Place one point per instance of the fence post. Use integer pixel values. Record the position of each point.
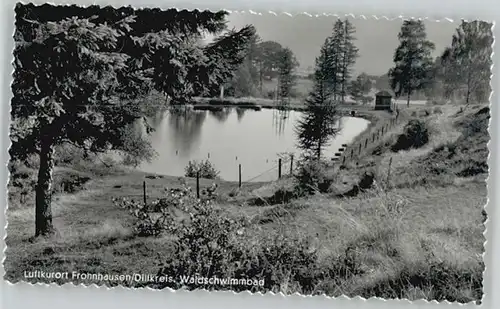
(373, 137)
(239, 173)
(366, 142)
(197, 184)
(389, 172)
(144, 191)
(352, 153)
(209, 155)
(291, 165)
(343, 159)
(359, 148)
(279, 168)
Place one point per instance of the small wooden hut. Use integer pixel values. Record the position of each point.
(383, 100)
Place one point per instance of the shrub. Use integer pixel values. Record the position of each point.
(415, 135)
(474, 126)
(210, 244)
(205, 168)
(312, 177)
(134, 146)
(68, 182)
(22, 179)
(155, 218)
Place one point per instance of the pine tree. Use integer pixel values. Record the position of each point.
(319, 123)
(334, 59)
(467, 62)
(350, 53)
(286, 79)
(413, 61)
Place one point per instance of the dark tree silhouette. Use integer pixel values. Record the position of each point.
(80, 80)
(349, 56)
(360, 87)
(466, 63)
(320, 122)
(413, 61)
(286, 78)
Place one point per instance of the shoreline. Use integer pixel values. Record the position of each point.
(372, 118)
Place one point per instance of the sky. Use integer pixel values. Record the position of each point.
(304, 35)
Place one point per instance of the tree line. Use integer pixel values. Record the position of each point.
(265, 61)
(462, 71)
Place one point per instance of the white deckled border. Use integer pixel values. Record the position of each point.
(302, 301)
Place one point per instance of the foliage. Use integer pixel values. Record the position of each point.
(244, 82)
(82, 81)
(412, 59)
(286, 79)
(341, 57)
(349, 55)
(206, 169)
(311, 177)
(209, 243)
(134, 147)
(224, 55)
(246, 78)
(320, 122)
(466, 63)
(156, 218)
(333, 59)
(360, 87)
(265, 60)
(268, 58)
(415, 135)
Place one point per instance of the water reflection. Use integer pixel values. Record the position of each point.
(280, 118)
(186, 128)
(240, 112)
(221, 115)
(254, 141)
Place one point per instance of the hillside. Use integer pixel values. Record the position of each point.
(416, 232)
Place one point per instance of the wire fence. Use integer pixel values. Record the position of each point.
(279, 169)
(367, 139)
(285, 165)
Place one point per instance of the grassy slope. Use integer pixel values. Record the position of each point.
(419, 240)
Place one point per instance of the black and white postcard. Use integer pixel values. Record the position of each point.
(214, 150)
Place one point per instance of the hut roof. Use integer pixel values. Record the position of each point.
(383, 94)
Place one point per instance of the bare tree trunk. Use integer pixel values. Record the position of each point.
(43, 210)
(319, 150)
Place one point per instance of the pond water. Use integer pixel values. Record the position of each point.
(254, 139)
